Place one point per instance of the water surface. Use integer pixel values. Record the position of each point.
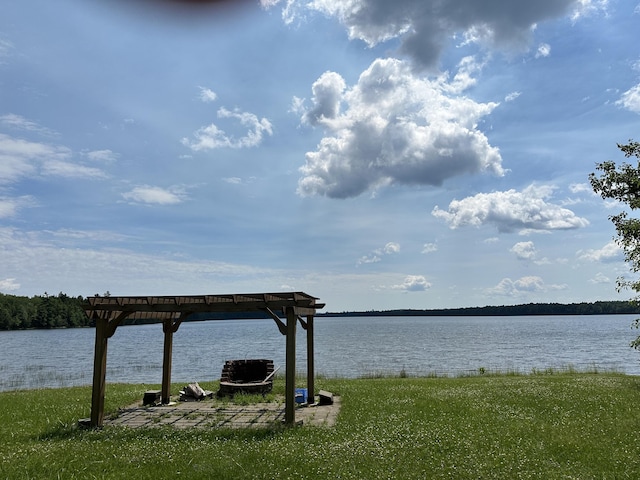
(344, 346)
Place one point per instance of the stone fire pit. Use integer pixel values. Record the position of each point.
(246, 376)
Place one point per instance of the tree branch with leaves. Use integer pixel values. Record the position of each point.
(622, 183)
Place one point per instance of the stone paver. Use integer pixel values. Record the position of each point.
(215, 414)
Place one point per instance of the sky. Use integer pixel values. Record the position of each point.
(377, 155)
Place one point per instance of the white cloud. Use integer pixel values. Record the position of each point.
(396, 128)
(9, 206)
(580, 188)
(512, 96)
(429, 248)
(22, 158)
(465, 78)
(74, 269)
(413, 283)
(233, 180)
(372, 258)
(544, 50)
(18, 122)
(8, 285)
(425, 26)
(588, 7)
(524, 250)
(327, 96)
(19, 158)
(106, 156)
(600, 278)
(611, 252)
(511, 211)
(212, 137)
(207, 95)
(297, 106)
(64, 169)
(524, 285)
(89, 235)
(630, 99)
(155, 195)
(390, 248)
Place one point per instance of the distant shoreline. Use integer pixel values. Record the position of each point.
(584, 308)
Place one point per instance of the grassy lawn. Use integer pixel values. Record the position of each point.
(564, 426)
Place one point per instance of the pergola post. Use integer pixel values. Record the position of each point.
(166, 360)
(310, 365)
(290, 375)
(99, 372)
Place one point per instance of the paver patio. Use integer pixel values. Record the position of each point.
(217, 414)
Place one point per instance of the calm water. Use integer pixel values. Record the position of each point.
(349, 347)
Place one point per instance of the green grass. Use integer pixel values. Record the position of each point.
(552, 426)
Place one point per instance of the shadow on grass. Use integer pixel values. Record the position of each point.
(72, 431)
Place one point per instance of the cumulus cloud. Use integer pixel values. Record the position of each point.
(207, 95)
(524, 250)
(151, 195)
(511, 211)
(630, 99)
(327, 97)
(413, 283)
(611, 252)
(393, 127)
(390, 248)
(524, 285)
(212, 137)
(424, 27)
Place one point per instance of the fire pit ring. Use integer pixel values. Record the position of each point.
(246, 376)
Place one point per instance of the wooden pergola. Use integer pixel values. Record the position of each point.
(109, 312)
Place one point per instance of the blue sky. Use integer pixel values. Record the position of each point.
(375, 154)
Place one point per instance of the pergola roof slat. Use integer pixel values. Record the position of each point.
(202, 303)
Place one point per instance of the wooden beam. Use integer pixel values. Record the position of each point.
(311, 396)
(290, 375)
(99, 372)
(281, 326)
(114, 323)
(167, 328)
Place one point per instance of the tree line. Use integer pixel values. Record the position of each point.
(63, 311)
(613, 307)
(41, 311)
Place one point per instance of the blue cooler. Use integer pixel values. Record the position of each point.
(301, 395)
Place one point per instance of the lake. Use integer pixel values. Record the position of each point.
(345, 347)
